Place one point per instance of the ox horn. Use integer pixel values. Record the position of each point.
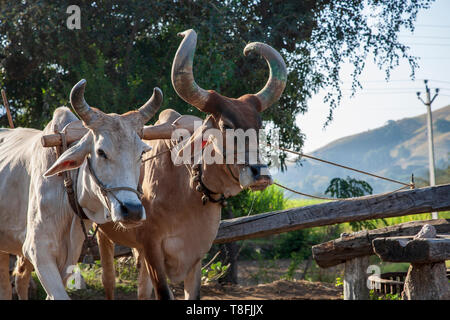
(182, 75)
(80, 105)
(149, 109)
(278, 73)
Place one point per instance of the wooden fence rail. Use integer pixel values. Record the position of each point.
(401, 203)
(359, 244)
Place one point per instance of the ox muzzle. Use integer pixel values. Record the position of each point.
(128, 213)
(255, 177)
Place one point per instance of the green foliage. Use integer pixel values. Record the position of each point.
(125, 48)
(339, 282)
(349, 188)
(253, 202)
(388, 296)
(40, 291)
(265, 269)
(214, 272)
(126, 268)
(296, 259)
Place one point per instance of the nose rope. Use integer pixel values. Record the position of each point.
(105, 190)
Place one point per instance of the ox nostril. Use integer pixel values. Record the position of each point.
(255, 169)
(131, 211)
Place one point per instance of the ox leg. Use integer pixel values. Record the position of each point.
(22, 275)
(192, 283)
(5, 283)
(106, 247)
(154, 261)
(49, 275)
(145, 286)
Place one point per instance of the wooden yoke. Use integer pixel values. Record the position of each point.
(75, 131)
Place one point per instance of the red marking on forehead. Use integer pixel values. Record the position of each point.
(204, 142)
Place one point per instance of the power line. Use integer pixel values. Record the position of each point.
(390, 88)
(397, 80)
(383, 93)
(433, 25)
(435, 58)
(444, 81)
(428, 44)
(424, 37)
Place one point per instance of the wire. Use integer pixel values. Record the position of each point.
(340, 165)
(429, 44)
(433, 25)
(424, 37)
(439, 81)
(386, 88)
(383, 93)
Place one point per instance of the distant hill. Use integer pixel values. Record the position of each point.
(395, 150)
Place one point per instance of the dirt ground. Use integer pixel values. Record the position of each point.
(261, 281)
(277, 290)
(258, 280)
(257, 283)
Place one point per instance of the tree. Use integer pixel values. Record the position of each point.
(349, 188)
(125, 48)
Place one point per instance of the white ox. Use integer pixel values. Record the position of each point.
(37, 222)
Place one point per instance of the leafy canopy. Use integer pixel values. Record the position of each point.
(125, 48)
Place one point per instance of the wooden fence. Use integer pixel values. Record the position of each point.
(397, 204)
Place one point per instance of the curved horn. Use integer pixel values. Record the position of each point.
(149, 109)
(80, 105)
(182, 75)
(278, 73)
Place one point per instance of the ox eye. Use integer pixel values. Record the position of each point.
(226, 126)
(102, 153)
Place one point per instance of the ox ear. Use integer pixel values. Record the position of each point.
(72, 158)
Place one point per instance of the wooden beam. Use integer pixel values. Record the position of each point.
(8, 111)
(401, 203)
(355, 279)
(405, 249)
(75, 131)
(359, 244)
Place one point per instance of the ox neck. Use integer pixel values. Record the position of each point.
(215, 182)
(207, 194)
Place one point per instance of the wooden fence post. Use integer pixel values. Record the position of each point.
(355, 279)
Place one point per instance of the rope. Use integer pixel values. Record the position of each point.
(342, 166)
(336, 199)
(159, 153)
(405, 185)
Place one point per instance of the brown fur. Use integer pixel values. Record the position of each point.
(179, 229)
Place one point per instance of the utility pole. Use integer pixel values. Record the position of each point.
(428, 103)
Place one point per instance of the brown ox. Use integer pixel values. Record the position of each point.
(181, 226)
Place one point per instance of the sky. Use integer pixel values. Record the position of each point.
(380, 101)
